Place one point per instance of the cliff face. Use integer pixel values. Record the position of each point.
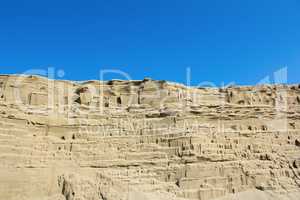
(120, 140)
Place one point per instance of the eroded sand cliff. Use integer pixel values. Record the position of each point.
(147, 139)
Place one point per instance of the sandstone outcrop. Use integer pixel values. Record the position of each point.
(130, 140)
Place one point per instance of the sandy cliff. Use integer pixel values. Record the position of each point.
(120, 140)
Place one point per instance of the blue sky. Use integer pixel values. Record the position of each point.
(220, 41)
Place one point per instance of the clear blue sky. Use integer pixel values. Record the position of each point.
(220, 40)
